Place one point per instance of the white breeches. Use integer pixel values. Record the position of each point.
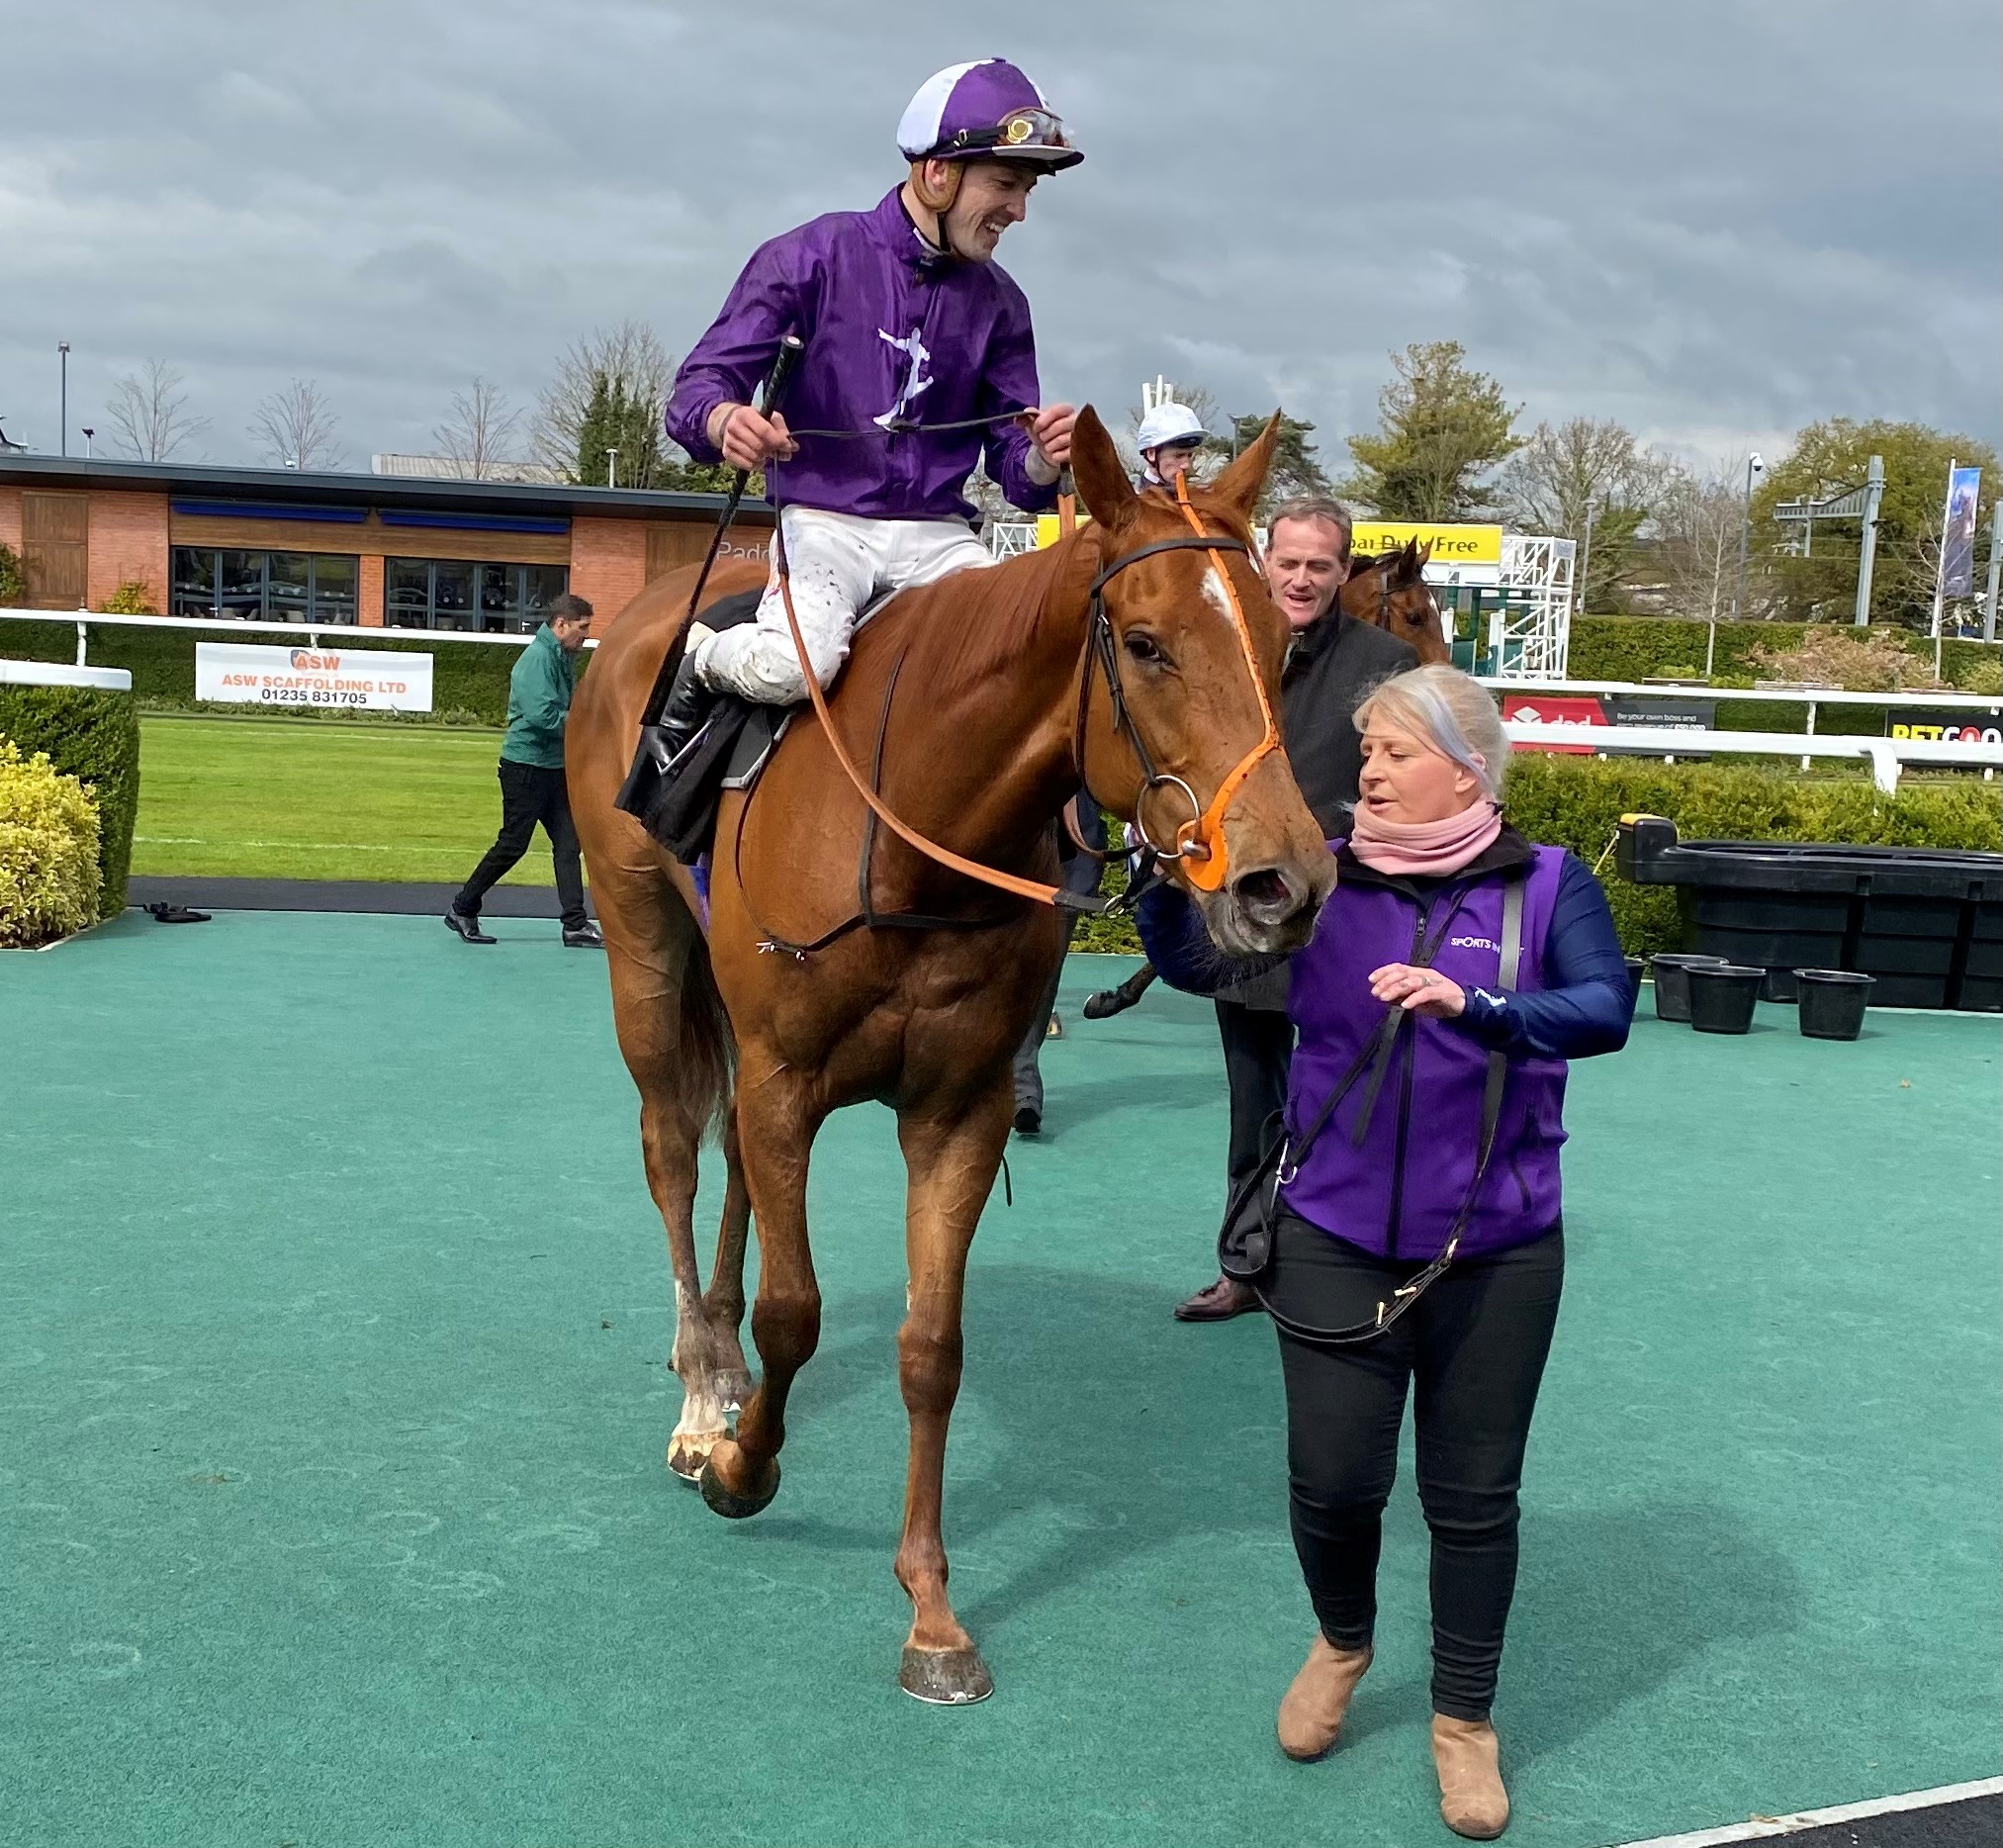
(839, 564)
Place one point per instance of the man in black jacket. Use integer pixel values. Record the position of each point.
(1333, 661)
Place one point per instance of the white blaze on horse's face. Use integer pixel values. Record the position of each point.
(1214, 594)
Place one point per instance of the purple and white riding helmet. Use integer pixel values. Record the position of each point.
(988, 109)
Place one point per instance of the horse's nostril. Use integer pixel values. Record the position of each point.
(1265, 895)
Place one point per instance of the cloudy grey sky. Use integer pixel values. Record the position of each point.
(1715, 221)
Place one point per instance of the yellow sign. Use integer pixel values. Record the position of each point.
(1451, 545)
(1047, 528)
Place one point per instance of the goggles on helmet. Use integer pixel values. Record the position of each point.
(1026, 133)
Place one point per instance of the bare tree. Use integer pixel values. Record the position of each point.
(1697, 520)
(149, 414)
(626, 358)
(1548, 485)
(481, 431)
(295, 428)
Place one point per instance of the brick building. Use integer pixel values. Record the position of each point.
(377, 550)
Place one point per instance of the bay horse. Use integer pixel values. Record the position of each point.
(983, 703)
(1390, 591)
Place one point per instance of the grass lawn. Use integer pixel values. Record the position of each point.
(261, 798)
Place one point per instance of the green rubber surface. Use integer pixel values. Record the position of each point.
(333, 1410)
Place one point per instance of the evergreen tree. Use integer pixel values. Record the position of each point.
(1442, 427)
(615, 418)
(1296, 468)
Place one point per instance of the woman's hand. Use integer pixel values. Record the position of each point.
(1419, 990)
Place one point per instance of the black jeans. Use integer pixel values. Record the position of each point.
(1476, 1343)
(530, 794)
(1258, 1050)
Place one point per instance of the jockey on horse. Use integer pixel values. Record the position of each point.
(919, 360)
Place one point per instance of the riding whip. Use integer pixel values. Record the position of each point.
(792, 347)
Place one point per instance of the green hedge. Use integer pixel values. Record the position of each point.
(93, 735)
(1635, 648)
(1578, 803)
(469, 679)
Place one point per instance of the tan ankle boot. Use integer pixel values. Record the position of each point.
(1472, 1800)
(1312, 1710)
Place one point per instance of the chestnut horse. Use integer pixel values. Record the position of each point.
(1390, 591)
(984, 705)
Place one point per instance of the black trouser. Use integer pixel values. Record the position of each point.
(1258, 1050)
(530, 794)
(1475, 1342)
(1029, 1071)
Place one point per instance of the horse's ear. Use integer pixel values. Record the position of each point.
(1242, 482)
(1103, 486)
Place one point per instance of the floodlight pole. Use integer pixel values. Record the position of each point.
(1753, 467)
(1585, 557)
(63, 348)
(611, 468)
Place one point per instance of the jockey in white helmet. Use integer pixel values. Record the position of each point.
(1168, 438)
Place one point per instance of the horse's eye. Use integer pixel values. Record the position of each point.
(1144, 647)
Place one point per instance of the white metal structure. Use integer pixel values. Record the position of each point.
(1008, 538)
(1888, 755)
(1530, 628)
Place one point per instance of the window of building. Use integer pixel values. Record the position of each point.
(265, 587)
(462, 594)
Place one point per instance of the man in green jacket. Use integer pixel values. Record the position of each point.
(532, 777)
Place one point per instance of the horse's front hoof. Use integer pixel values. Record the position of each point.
(945, 1677)
(687, 1462)
(727, 1502)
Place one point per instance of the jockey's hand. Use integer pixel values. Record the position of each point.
(749, 440)
(1049, 430)
(1419, 990)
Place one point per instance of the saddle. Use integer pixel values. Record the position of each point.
(729, 753)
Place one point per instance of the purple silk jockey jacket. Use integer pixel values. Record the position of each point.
(1396, 1192)
(894, 331)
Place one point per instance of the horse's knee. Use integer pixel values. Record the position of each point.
(787, 1325)
(928, 1367)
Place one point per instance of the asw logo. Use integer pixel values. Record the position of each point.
(306, 658)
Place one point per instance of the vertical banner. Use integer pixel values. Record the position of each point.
(1958, 533)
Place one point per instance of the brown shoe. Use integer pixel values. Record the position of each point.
(1472, 1800)
(1312, 1710)
(1218, 1302)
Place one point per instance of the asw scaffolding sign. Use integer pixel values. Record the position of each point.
(354, 679)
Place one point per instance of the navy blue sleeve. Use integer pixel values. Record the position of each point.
(1180, 948)
(1586, 1003)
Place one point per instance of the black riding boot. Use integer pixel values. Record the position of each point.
(689, 704)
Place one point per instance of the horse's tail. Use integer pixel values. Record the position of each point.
(707, 1048)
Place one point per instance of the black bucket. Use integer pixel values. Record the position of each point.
(1722, 997)
(1673, 983)
(1832, 1002)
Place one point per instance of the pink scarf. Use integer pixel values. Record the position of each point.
(1434, 848)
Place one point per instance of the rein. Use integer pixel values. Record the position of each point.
(1199, 842)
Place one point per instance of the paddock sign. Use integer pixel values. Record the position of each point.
(351, 679)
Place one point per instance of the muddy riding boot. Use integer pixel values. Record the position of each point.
(1472, 1800)
(1312, 1710)
(689, 704)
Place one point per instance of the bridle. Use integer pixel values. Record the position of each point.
(1199, 842)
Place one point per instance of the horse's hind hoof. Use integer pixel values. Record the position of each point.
(727, 1502)
(945, 1677)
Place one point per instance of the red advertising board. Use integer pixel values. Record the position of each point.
(1560, 711)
